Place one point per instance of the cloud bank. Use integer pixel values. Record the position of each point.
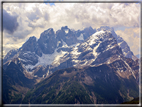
(34, 18)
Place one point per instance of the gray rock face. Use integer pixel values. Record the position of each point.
(122, 44)
(10, 55)
(47, 41)
(71, 37)
(87, 32)
(28, 58)
(67, 36)
(32, 46)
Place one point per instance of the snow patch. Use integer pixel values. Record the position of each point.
(94, 50)
(76, 61)
(80, 37)
(130, 69)
(73, 45)
(64, 44)
(29, 66)
(77, 44)
(98, 33)
(9, 62)
(58, 43)
(61, 54)
(23, 60)
(47, 59)
(66, 31)
(109, 47)
(95, 37)
(119, 43)
(26, 52)
(88, 48)
(75, 52)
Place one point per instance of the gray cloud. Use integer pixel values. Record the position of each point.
(32, 16)
(10, 23)
(46, 16)
(35, 15)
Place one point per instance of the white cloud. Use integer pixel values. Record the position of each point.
(34, 18)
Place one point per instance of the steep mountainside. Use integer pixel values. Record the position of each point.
(16, 82)
(122, 44)
(100, 84)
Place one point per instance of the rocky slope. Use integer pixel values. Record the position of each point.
(122, 44)
(88, 85)
(16, 82)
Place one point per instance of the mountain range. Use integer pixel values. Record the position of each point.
(71, 67)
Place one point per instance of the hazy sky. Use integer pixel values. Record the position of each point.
(22, 20)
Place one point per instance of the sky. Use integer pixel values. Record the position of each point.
(23, 20)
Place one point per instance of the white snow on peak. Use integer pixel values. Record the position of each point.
(47, 59)
(80, 37)
(64, 44)
(95, 36)
(27, 52)
(57, 58)
(120, 43)
(66, 31)
(9, 62)
(98, 33)
(77, 44)
(75, 52)
(73, 45)
(58, 43)
(23, 60)
(29, 66)
(94, 50)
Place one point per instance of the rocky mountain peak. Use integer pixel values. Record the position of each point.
(10, 55)
(64, 28)
(122, 44)
(30, 44)
(33, 38)
(87, 31)
(47, 33)
(47, 41)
